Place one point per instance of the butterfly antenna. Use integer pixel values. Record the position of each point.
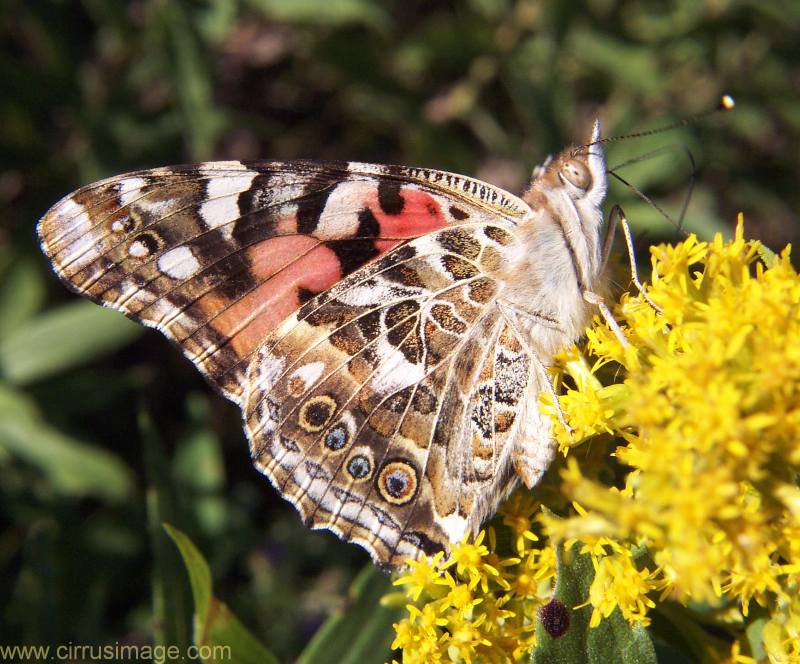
(649, 201)
(649, 155)
(726, 103)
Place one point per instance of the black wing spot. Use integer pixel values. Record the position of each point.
(389, 197)
(311, 207)
(368, 225)
(304, 294)
(422, 541)
(254, 222)
(457, 213)
(150, 241)
(352, 254)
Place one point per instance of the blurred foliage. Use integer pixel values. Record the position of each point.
(102, 438)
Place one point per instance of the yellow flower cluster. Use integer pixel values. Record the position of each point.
(691, 491)
(704, 504)
(706, 481)
(479, 605)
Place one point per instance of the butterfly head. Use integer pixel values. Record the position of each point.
(565, 197)
(579, 172)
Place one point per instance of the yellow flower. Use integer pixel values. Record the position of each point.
(424, 575)
(691, 492)
(517, 513)
(469, 561)
(460, 598)
(709, 421)
(481, 604)
(619, 583)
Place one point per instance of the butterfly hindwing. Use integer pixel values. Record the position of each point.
(362, 407)
(216, 255)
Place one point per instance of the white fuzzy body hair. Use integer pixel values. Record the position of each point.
(559, 254)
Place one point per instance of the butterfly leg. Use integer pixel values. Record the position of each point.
(608, 317)
(617, 216)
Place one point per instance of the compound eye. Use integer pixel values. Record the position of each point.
(576, 173)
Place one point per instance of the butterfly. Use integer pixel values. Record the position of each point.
(384, 329)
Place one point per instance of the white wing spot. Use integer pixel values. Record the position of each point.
(222, 206)
(118, 225)
(138, 249)
(308, 373)
(73, 213)
(346, 201)
(129, 190)
(394, 373)
(179, 263)
(454, 527)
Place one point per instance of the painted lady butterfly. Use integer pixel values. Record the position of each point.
(384, 329)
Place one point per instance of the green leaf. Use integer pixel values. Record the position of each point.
(73, 467)
(198, 570)
(321, 12)
(62, 338)
(700, 218)
(200, 470)
(362, 633)
(563, 634)
(192, 81)
(215, 626)
(172, 610)
(630, 64)
(755, 637)
(683, 629)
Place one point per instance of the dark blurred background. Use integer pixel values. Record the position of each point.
(105, 430)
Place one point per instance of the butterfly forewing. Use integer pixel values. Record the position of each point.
(217, 255)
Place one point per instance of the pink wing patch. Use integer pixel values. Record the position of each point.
(420, 213)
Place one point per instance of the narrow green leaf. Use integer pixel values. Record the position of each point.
(62, 338)
(563, 634)
(192, 81)
(199, 573)
(172, 603)
(755, 637)
(362, 633)
(73, 467)
(218, 634)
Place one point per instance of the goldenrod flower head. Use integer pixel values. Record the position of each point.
(709, 416)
